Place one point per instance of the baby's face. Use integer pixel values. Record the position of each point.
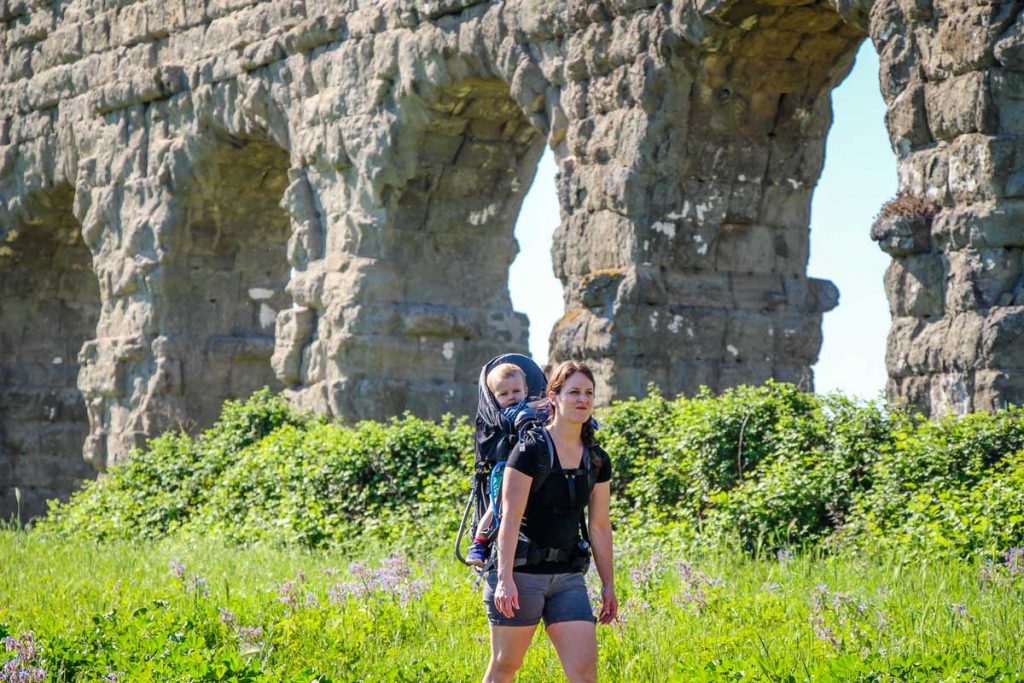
(509, 391)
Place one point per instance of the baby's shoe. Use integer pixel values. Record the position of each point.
(477, 554)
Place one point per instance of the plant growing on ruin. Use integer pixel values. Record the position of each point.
(905, 205)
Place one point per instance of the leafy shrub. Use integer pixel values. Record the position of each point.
(928, 465)
(158, 487)
(803, 490)
(326, 484)
(762, 467)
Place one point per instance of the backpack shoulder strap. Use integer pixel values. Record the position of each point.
(538, 481)
(551, 448)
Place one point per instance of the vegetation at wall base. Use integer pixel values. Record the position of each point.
(761, 468)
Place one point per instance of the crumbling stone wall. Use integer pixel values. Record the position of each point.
(352, 170)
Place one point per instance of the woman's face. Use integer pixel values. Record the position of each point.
(576, 399)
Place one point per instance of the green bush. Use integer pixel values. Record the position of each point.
(158, 487)
(761, 467)
(927, 473)
(802, 489)
(327, 484)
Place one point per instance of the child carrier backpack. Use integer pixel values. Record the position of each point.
(495, 440)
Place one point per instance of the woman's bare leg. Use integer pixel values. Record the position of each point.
(576, 645)
(508, 647)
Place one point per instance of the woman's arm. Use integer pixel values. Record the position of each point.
(600, 527)
(515, 489)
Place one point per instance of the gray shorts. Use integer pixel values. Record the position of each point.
(553, 597)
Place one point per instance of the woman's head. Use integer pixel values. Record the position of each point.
(571, 393)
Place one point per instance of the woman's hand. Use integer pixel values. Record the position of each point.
(506, 597)
(609, 605)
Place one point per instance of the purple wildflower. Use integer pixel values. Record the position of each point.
(22, 668)
(287, 593)
(227, 617)
(695, 587)
(392, 573)
(647, 573)
(177, 568)
(1014, 561)
(339, 592)
(198, 584)
(825, 633)
(250, 635)
(412, 590)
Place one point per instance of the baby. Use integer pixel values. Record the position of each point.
(507, 383)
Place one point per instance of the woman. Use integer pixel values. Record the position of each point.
(546, 582)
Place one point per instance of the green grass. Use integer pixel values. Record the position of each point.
(274, 516)
(109, 608)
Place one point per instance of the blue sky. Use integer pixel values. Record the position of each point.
(859, 174)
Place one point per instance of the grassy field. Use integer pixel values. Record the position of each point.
(181, 611)
(281, 547)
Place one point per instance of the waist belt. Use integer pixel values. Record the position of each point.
(535, 555)
(529, 553)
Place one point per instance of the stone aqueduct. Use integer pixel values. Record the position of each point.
(200, 197)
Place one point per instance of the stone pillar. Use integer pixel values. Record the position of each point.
(953, 80)
(126, 377)
(685, 179)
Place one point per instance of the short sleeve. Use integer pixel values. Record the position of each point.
(526, 457)
(604, 472)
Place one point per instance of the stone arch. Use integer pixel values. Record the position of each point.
(223, 282)
(697, 166)
(49, 307)
(416, 296)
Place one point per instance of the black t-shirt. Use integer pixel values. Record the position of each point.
(550, 520)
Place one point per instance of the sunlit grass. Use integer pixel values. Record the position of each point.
(292, 615)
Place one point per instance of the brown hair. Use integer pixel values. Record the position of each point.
(504, 371)
(559, 376)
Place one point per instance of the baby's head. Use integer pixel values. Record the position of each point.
(508, 384)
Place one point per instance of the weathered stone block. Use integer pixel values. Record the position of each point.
(903, 235)
(906, 120)
(915, 286)
(746, 248)
(981, 225)
(959, 105)
(1002, 339)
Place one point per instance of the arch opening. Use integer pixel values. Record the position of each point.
(49, 307)
(858, 176)
(534, 289)
(437, 303)
(227, 281)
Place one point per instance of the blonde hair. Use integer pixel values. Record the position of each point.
(504, 371)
